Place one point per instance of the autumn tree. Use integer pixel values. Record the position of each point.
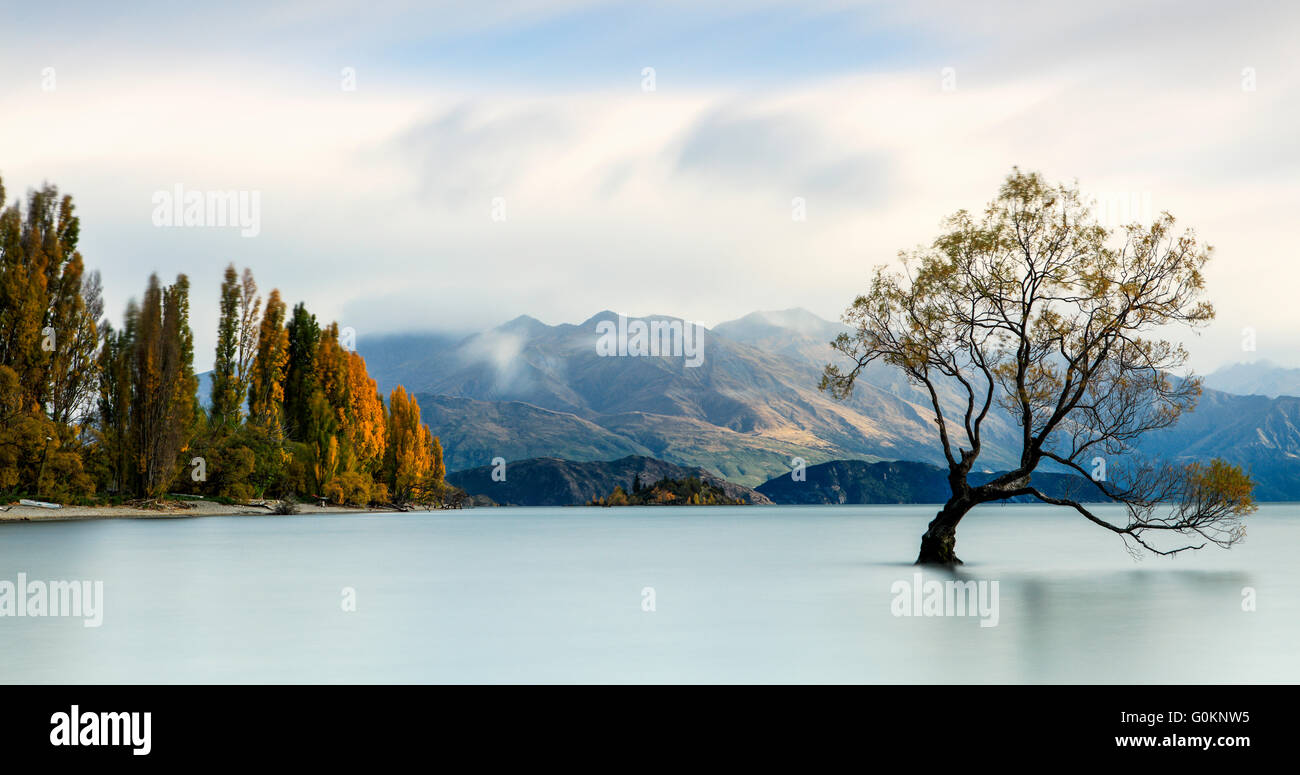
(438, 468)
(1034, 309)
(47, 344)
(35, 457)
(47, 324)
(162, 410)
(74, 367)
(352, 395)
(366, 429)
(266, 375)
(412, 463)
(355, 452)
(72, 325)
(28, 242)
(331, 377)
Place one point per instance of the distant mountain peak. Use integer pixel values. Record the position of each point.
(1261, 377)
(1260, 364)
(793, 315)
(521, 323)
(612, 315)
(762, 324)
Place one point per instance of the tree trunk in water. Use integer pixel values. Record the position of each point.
(939, 544)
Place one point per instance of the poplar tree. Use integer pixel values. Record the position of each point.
(250, 305)
(366, 429)
(413, 467)
(301, 380)
(184, 410)
(266, 377)
(24, 297)
(225, 390)
(116, 381)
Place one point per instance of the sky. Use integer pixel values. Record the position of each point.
(450, 166)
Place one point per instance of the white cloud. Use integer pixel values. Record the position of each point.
(377, 203)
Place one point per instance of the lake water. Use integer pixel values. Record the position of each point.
(762, 594)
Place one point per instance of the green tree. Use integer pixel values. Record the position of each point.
(226, 400)
(237, 346)
(185, 400)
(116, 444)
(301, 379)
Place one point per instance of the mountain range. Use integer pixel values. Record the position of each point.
(526, 389)
(1257, 378)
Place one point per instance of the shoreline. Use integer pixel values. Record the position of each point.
(173, 510)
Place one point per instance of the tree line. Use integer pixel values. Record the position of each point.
(94, 412)
(689, 491)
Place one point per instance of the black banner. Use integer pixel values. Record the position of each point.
(924, 724)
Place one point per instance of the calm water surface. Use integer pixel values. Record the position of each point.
(774, 594)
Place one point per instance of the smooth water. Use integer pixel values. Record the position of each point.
(751, 594)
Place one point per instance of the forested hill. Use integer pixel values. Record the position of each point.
(554, 482)
(857, 481)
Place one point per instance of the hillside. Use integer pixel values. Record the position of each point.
(474, 432)
(1261, 434)
(744, 413)
(550, 481)
(855, 481)
(670, 492)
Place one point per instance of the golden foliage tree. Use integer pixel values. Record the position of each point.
(366, 431)
(412, 463)
(1034, 308)
(266, 378)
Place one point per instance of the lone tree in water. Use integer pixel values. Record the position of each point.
(1036, 310)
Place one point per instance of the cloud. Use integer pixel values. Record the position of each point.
(377, 204)
(785, 152)
(471, 152)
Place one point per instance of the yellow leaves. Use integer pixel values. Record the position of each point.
(1220, 483)
(332, 372)
(412, 462)
(266, 386)
(354, 489)
(365, 428)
